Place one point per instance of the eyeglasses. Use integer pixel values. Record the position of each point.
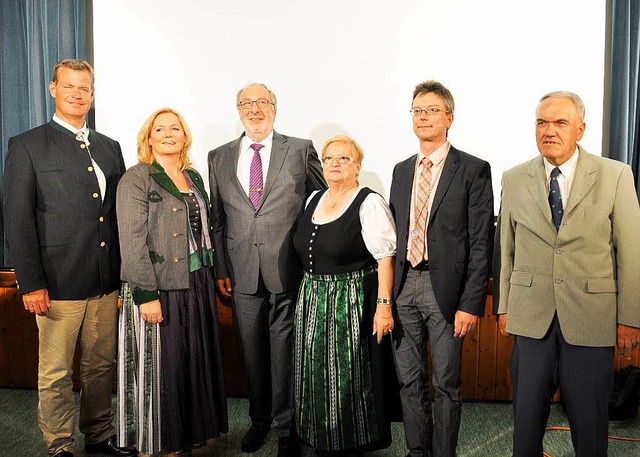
(430, 111)
(260, 103)
(328, 160)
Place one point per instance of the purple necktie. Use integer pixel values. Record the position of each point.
(255, 176)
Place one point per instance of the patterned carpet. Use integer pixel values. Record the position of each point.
(485, 432)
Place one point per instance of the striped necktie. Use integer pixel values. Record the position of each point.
(255, 176)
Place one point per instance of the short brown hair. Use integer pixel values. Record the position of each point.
(437, 88)
(74, 64)
(145, 154)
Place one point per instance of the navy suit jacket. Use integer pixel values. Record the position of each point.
(62, 235)
(459, 231)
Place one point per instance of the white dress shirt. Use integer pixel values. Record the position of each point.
(565, 178)
(246, 155)
(102, 180)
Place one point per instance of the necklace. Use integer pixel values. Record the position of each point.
(335, 202)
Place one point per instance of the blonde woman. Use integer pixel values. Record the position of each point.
(170, 383)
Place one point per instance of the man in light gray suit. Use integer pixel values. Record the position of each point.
(259, 185)
(567, 269)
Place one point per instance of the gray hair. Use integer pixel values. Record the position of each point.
(272, 96)
(575, 99)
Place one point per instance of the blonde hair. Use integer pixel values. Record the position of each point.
(75, 65)
(356, 150)
(145, 154)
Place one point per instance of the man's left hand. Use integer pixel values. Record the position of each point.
(628, 339)
(464, 323)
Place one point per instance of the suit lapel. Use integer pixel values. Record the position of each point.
(404, 191)
(448, 171)
(231, 165)
(584, 178)
(279, 150)
(536, 185)
(158, 174)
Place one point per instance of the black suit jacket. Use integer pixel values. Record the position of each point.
(62, 236)
(459, 231)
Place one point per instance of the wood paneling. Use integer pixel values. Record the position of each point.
(18, 337)
(235, 380)
(485, 357)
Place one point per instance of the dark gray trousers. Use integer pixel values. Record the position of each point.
(431, 423)
(585, 376)
(264, 322)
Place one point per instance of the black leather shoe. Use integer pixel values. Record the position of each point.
(288, 447)
(63, 454)
(109, 447)
(254, 439)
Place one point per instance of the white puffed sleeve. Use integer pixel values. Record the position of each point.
(378, 227)
(313, 194)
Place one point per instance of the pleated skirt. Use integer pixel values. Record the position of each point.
(338, 367)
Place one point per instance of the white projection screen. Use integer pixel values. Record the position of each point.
(340, 66)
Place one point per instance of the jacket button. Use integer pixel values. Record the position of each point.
(559, 250)
(89, 169)
(103, 244)
(101, 219)
(176, 260)
(174, 234)
(95, 195)
(558, 280)
(82, 145)
(174, 209)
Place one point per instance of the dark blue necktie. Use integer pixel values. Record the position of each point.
(555, 199)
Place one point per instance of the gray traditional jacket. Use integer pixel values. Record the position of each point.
(153, 225)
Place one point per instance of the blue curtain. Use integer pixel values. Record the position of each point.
(622, 131)
(35, 35)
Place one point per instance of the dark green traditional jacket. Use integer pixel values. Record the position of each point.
(153, 221)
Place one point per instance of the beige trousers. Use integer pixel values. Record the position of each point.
(94, 320)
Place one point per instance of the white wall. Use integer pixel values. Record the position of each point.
(340, 66)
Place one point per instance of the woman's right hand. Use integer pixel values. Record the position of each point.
(151, 312)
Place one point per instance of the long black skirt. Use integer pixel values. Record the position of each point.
(193, 402)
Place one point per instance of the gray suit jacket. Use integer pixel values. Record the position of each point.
(251, 242)
(588, 271)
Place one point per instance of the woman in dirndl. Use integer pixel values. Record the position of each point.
(343, 366)
(170, 379)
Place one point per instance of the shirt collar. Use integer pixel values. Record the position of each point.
(267, 142)
(72, 129)
(566, 168)
(436, 156)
